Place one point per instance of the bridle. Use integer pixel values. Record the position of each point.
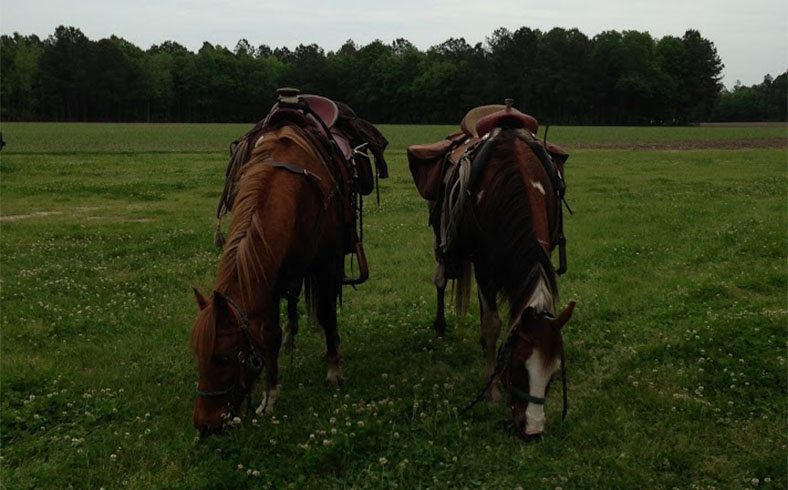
(517, 393)
(250, 357)
(520, 395)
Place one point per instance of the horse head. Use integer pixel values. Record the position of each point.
(229, 361)
(532, 354)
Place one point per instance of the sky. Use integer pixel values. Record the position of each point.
(751, 36)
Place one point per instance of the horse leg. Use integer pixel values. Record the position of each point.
(491, 328)
(439, 324)
(328, 286)
(272, 342)
(292, 320)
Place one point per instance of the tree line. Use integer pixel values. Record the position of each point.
(561, 76)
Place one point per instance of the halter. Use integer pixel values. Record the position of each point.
(515, 391)
(251, 358)
(522, 396)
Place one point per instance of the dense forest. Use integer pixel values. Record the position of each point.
(561, 76)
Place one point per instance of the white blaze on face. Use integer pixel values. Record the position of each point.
(538, 377)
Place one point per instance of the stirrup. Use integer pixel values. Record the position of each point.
(363, 267)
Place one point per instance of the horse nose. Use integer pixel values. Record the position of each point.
(206, 428)
(532, 437)
(205, 423)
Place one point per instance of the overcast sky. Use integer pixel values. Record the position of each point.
(751, 36)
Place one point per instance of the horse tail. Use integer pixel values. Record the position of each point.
(310, 300)
(462, 289)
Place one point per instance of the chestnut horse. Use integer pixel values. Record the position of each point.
(508, 226)
(286, 227)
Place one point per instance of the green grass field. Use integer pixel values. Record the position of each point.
(676, 353)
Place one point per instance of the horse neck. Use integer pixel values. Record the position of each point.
(515, 218)
(265, 226)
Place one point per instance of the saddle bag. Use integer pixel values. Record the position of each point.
(425, 163)
(557, 153)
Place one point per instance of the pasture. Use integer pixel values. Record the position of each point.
(676, 353)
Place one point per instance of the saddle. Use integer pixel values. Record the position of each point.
(435, 166)
(345, 141)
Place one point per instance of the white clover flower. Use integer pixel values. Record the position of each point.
(113, 457)
(383, 461)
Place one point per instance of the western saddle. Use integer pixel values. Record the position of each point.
(342, 138)
(434, 165)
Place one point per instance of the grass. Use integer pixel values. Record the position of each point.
(676, 353)
(201, 138)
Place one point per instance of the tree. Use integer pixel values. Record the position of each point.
(65, 75)
(19, 89)
(559, 76)
(703, 75)
(672, 61)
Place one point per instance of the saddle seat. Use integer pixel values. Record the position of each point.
(483, 119)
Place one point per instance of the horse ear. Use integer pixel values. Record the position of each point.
(201, 301)
(565, 315)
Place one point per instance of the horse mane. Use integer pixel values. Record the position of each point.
(247, 253)
(520, 269)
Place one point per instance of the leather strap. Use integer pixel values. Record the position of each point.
(525, 397)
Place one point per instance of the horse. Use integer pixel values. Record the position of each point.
(287, 227)
(502, 226)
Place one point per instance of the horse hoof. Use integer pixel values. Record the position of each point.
(334, 379)
(269, 401)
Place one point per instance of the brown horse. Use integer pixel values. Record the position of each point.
(507, 226)
(287, 227)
